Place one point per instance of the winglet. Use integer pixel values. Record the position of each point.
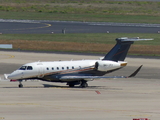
(6, 76)
(135, 73)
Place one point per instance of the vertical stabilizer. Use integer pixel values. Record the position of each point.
(120, 50)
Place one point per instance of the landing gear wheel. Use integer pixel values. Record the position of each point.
(71, 85)
(84, 85)
(20, 86)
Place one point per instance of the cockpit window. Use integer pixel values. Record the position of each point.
(29, 68)
(23, 68)
(26, 68)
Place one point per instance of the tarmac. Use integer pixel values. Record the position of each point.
(104, 99)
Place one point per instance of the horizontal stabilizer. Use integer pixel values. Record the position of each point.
(131, 39)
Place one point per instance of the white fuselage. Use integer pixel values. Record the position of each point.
(42, 69)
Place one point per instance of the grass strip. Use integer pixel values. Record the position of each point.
(82, 10)
(87, 43)
(81, 17)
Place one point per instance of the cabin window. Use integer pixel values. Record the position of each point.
(57, 68)
(67, 67)
(47, 68)
(22, 68)
(62, 68)
(52, 68)
(29, 68)
(72, 67)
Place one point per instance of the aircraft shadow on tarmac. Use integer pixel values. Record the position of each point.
(57, 86)
(62, 87)
(78, 87)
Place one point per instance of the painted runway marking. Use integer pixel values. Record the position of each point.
(19, 104)
(9, 56)
(45, 25)
(97, 92)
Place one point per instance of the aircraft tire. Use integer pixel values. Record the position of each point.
(84, 85)
(20, 86)
(71, 85)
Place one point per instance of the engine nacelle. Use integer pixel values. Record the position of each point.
(106, 65)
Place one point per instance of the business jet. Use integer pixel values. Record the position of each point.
(77, 72)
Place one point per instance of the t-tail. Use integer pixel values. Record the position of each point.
(120, 50)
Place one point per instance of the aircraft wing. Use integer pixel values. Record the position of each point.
(89, 77)
(97, 77)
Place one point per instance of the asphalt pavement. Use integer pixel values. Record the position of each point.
(104, 99)
(48, 27)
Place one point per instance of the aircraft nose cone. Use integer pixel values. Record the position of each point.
(14, 75)
(11, 76)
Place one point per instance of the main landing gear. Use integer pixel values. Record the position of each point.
(82, 83)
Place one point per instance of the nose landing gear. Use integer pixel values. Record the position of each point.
(20, 84)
